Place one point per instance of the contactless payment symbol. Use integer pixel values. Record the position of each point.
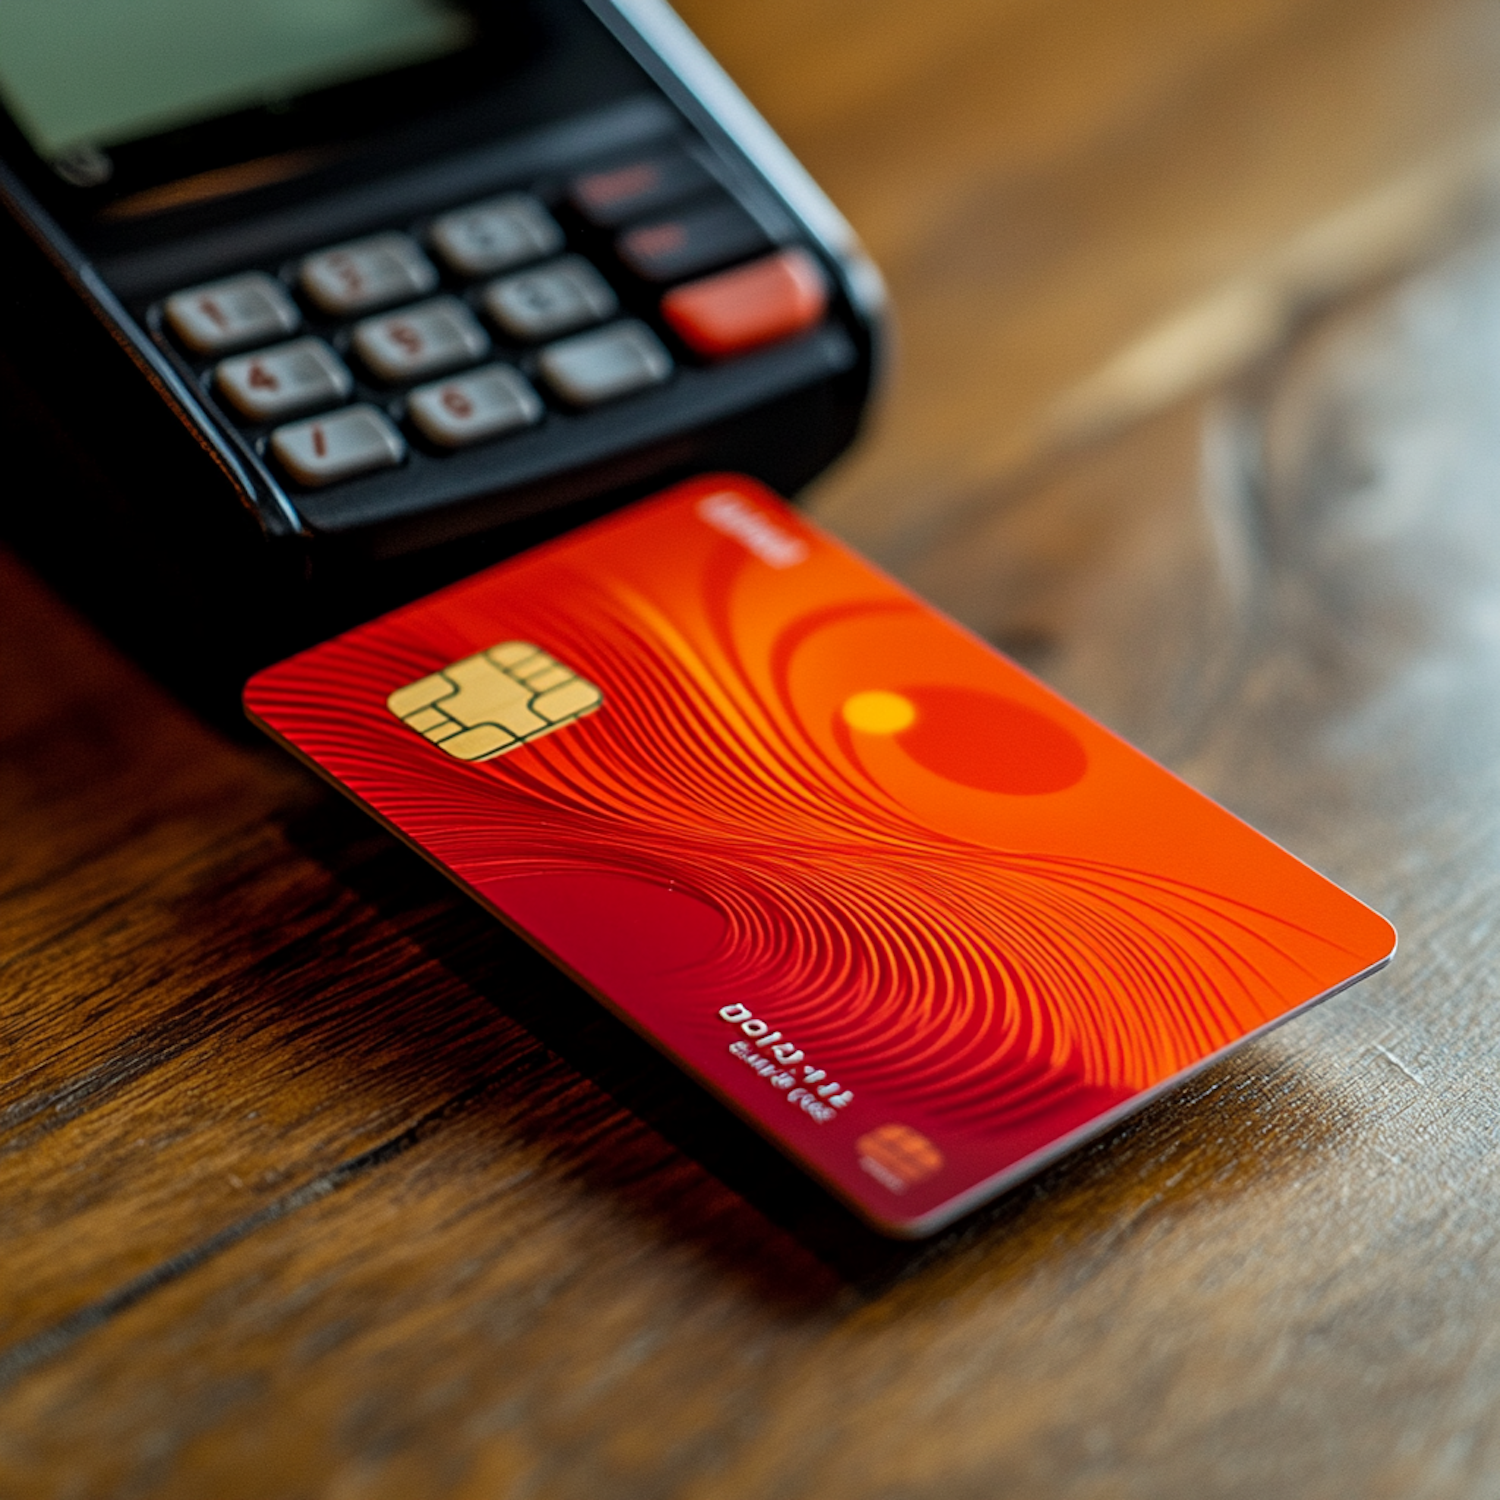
(492, 703)
(897, 1156)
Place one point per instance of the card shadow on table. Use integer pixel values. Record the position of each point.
(1175, 1151)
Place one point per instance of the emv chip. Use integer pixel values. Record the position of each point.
(492, 703)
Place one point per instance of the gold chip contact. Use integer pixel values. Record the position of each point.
(495, 702)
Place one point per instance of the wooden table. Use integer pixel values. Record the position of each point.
(314, 1183)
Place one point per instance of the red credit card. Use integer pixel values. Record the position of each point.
(919, 920)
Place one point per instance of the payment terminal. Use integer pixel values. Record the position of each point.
(319, 302)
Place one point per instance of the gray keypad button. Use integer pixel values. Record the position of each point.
(471, 407)
(610, 362)
(550, 300)
(496, 235)
(438, 335)
(284, 379)
(368, 273)
(249, 309)
(338, 446)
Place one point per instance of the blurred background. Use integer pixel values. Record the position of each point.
(1195, 407)
(1195, 316)
(1086, 208)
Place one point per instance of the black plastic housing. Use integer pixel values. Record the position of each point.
(162, 516)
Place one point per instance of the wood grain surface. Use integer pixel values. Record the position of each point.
(314, 1183)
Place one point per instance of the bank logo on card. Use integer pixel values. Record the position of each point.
(489, 704)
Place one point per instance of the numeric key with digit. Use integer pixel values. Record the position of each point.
(437, 335)
(288, 378)
(368, 273)
(469, 408)
(338, 446)
(229, 314)
(494, 236)
(552, 299)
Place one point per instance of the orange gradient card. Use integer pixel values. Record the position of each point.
(919, 920)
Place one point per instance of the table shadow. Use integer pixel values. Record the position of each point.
(746, 1208)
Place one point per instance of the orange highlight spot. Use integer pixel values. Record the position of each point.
(879, 712)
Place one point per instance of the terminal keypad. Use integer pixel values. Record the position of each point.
(473, 325)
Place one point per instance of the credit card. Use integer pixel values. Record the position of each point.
(922, 922)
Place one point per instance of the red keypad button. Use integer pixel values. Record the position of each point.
(698, 239)
(612, 197)
(736, 310)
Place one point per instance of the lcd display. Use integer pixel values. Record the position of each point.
(96, 73)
